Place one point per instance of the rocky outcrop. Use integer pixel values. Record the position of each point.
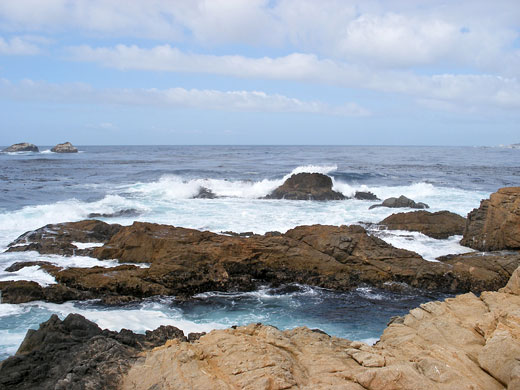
(363, 195)
(402, 201)
(306, 186)
(59, 238)
(76, 354)
(495, 225)
(466, 342)
(66, 147)
(184, 262)
(441, 224)
(22, 147)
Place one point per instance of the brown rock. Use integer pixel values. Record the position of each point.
(21, 147)
(465, 342)
(306, 186)
(441, 224)
(402, 201)
(66, 147)
(495, 225)
(58, 238)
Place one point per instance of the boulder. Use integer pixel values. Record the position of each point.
(495, 225)
(306, 186)
(441, 224)
(402, 201)
(116, 214)
(364, 195)
(466, 342)
(22, 147)
(76, 354)
(66, 147)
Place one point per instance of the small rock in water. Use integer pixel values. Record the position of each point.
(66, 147)
(362, 195)
(402, 201)
(205, 193)
(306, 186)
(22, 147)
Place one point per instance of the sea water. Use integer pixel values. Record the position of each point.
(158, 183)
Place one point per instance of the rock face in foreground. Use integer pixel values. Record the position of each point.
(66, 147)
(495, 225)
(441, 224)
(76, 354)
(22, 147)
(466, 342)
(402, 201)
(306, 186)
(185, 262)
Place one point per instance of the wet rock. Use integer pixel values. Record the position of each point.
(76, 354)
(121, 213)
(59, 238)
(66, 147)
(22, 264)
(466, 342)
(441, 224)
(402, 201)
(205, 193)
(362, 195)
(495, 225)
(306, 186)
(22, 147)
(21, 291)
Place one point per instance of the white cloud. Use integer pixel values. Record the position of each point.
(20, 46)
(469, 33)
(174, 97)
(465, 89)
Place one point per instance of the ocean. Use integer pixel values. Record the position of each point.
(158, 183)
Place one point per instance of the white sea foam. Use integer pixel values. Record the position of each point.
(429, 248)
(33, 273)
(86, 245)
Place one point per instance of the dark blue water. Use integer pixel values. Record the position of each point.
(42, 178)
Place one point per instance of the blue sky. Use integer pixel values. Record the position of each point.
(260, 72)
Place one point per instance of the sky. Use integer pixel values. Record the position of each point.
(268, 72)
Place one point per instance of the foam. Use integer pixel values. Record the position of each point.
(34, 273)
(86, 245)
(429, 248)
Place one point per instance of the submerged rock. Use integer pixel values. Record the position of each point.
(441, 224)
(364, 195)
(205, 193)
(76, 354)
(402, 201)
(306, 186)
(495, 225)
(116, 214)
(22, 147)
(66, 147)
(466, 342)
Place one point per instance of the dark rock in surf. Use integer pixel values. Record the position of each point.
(306, 186)
(58, 238)
(205, 193)
(362, 195)
(495, 225)
(76, 354)
(21, 291)
(117, 214)
(402, 201)
(441, 224)
(66, 147)
(22, 147)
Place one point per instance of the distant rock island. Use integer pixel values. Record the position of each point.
(22, 147)
(65, 147)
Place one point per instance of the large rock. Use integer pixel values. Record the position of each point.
(495, 225)
(59, 238)
(66, 147)
(402, 201)
(306, 186)
(441, 224)
(185, 262)
(22, 147)
(76, 354)
(466, 342)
